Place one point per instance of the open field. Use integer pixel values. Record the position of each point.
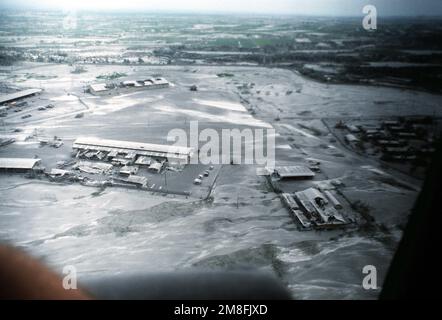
(404, 53)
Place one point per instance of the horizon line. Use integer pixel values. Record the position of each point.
(205, 12)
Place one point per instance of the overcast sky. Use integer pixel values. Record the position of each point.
(304, 7)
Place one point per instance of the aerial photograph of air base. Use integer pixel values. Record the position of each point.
(90, 177)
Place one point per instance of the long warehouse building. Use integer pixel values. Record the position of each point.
(174, 154)
(292, 172)
(19, 164)
(18, 95)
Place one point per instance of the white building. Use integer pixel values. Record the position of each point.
(320, 208)
(150, 83)
(293, 172)
(121, 149)
(99, 89)
(19, 164)
(18, 95)
(351, 138)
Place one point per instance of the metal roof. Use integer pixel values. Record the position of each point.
(289, 200)
(135, 146)
(146, 83)
(328, 214)
(59, 172)
(18, 95)
(294, 171)
(138, 180)
(18, 163)
(131, 82)
(351, 138)
(312, 194)
(143, 160)
(97, 87)
(156, 166)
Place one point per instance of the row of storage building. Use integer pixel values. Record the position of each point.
(147, 84)
(312, 208)
(127, 152)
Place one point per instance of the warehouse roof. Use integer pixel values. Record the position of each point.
(18, 163)
(129, 145)
(294, 172)
(97, 87)
(17, 95)
(132, 179)
(351, 138)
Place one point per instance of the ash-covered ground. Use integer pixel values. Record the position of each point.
(243, 223)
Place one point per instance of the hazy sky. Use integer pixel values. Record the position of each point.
(308, 7)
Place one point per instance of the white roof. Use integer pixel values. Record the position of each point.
(136, 146)
(60, 172)
(161, 81)
(96, 165)
(289, 200)
(156, 166)
(128, 170)
(352, 128)
(312, 194)
(147, 82)
(18, 95)
(98, 87)
(351, 138)
(131, 82)
(133, 179)
(18, 163)
(294, 171)
(137, 179)
(144, 160)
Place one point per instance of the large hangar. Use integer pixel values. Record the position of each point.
(133, 150)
